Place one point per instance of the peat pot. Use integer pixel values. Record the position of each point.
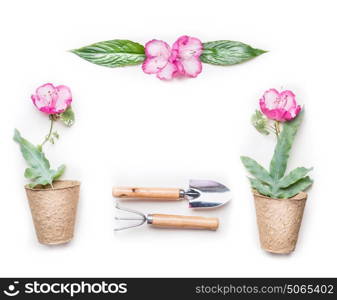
(54, 211)
(279, 221)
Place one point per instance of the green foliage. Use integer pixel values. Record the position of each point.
(278, 164)
(275, 183)
(261, 187)
(113, 53)
(68, 118)
(228, 52)
(256, 170)
(293, 177)
(260, 122)
(39, 171)
(295, 188)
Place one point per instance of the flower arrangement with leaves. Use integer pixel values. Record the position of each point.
(281, 115)
(157, 57)
(54, 101)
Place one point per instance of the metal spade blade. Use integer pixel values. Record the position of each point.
(207, 194)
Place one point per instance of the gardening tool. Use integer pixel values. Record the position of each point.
(168, 221)
(200, 194)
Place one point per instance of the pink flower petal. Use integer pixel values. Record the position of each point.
(288, 99)
(46, 96)
(167, 72)
(155, 48)
(48, 110)
(270, 99)
(153, 65)
(64, 99)
(187, 47)
(190, 67)
(289, 104)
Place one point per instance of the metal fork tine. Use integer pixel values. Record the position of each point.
(128, 219)
(127, 227)
(142, 220)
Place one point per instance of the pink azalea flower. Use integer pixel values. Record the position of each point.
(279, 106)
(181, 60)
(188, 50)
(52, 100)
(159, 60)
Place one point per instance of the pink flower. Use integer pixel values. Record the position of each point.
(188, 50)
(52, 100)
(159, 60)
(279, 106)
(181, 60)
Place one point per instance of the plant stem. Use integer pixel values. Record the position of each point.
(277, 128)
(271, 128)
(50, 132)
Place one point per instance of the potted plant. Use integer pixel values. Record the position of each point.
(279, 198)
(53, 202)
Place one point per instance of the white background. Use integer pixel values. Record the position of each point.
(133, 129)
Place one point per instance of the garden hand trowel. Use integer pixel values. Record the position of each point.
(200, 194)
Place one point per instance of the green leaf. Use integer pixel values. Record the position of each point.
(260, 122)
(39, 171)
(294, 176)
(68, 118)
(35, 158)
(256, 170)
(31, 173)
(59, 172)
(260, 187)
(278, 164)
(113, 53)
(296, 188)
(228, 52)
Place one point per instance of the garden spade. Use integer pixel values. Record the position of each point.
(200, 194)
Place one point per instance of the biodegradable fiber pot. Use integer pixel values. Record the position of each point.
(54, 211)
(279, 221)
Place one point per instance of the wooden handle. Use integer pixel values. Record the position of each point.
(146, 193)
(188, 222)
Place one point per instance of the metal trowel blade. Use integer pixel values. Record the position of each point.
(207, 194)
